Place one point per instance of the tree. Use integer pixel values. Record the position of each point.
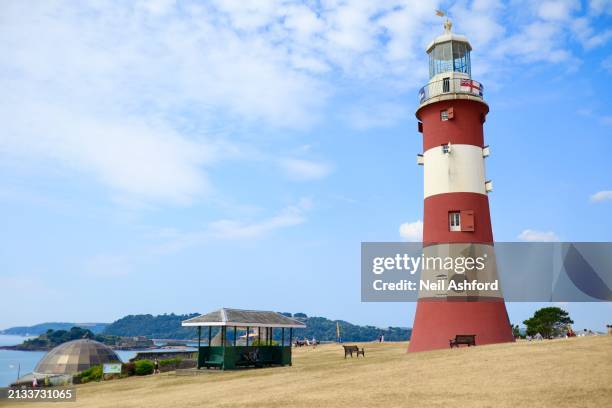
(516, 331)
(548, 321)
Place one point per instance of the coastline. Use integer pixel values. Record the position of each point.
(19, 347)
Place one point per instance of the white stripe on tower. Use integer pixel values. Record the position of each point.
(462, 170)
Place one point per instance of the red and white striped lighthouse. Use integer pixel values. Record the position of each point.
(457, 223)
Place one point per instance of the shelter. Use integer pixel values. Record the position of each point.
(223, 351)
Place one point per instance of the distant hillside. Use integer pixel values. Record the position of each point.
(325, 330)
(168, 326)
(41, 328)
(52, 338)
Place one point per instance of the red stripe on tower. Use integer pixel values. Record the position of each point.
(456, 206)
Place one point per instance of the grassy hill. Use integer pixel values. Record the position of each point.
(553, 373)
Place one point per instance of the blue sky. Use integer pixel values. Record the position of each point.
(168, 156)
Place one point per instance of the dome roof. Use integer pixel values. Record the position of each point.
(446, 37)
(75, 356)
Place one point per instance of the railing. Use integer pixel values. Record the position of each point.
(451, 85)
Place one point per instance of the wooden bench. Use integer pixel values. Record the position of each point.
(353, 349)
(469, 339)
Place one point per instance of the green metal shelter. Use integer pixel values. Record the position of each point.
(228, 350)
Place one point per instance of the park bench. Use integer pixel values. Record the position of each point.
(353, 349)
(469, 339)
(215, 361)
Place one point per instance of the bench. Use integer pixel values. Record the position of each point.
(353, 349)
(469, 339)
(215, 361)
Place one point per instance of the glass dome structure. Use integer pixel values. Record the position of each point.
(449, 53)
(75, 356)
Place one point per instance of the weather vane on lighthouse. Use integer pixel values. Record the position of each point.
(447, 23)
(456, 219)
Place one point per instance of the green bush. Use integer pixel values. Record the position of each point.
(91, 374)
(170, 361)
(144, 367)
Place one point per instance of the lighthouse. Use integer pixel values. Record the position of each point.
(456, 220)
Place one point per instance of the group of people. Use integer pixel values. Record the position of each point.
(306, 342)
(585, 332)
(536, 336)
(569, 333)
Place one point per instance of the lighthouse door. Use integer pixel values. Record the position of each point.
(446, 85)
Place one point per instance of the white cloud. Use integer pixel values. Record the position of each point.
(131, 94)
(232, 229)
(557, 9)
(412, 231)
(587, 35)
(487, 14)
(600, 6)
(235, 229)
(537, 41)
(600, 196)
(304, 170)
(132, 156)
(530, 235)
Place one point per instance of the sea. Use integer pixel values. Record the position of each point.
(15, 363)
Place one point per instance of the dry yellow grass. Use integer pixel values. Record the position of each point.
(560, 373)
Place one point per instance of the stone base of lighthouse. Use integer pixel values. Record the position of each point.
(438, 321)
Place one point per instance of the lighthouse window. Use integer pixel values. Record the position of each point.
(449, 56)
(461, 57)
(444, 115)
(446, 85)
(454, 220)
(441, 59)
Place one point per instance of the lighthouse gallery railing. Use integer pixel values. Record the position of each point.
(451, 85)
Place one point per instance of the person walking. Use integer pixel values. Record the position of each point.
(156, 367)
